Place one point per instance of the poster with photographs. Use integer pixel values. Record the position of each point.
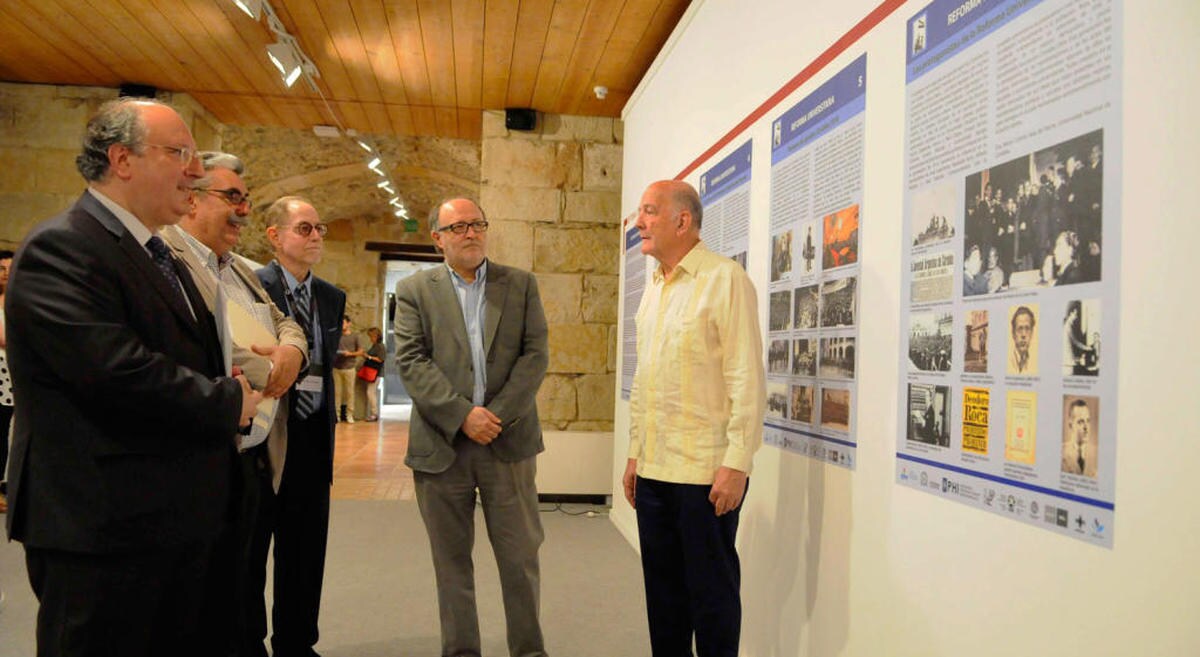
(1010, 260)
(814, 269)
(725, 196)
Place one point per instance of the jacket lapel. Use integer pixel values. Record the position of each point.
(493, 295)
(446, 298)
(145, 267)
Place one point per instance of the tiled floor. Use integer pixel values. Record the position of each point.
(368, 460)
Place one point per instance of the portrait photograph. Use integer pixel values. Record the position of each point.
(1080, 435)
(781, 255)
(1023, 340)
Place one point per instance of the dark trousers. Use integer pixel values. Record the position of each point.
(6, 413)
(126, 605)
(691, 570)
(227, 586)
(298, 519)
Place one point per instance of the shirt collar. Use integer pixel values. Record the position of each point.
(205, 254)
(480, 274)
(292, 283)
(131, 223)
(688, 265)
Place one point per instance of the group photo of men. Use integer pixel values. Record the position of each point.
(176, 406)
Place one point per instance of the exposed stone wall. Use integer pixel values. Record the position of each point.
(332, 174)
(553, 197)
(41, 127)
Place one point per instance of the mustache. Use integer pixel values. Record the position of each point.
(236, 220)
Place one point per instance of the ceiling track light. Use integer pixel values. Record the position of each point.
(289, 59)
(253, 8)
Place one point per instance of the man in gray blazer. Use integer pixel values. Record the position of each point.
(471, 349)
(203, 242)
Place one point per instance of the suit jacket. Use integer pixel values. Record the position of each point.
(287, 332)
(331, 305)
(434, 359)
(124, 418)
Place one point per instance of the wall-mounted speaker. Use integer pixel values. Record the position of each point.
(132, 90)
(516, 118)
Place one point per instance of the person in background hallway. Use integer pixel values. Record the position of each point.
(298, 514)
(344, 370)
(6, 397)
(692, 436)
(125, 414)
(471, 347)
(203, 242)
(375, 356)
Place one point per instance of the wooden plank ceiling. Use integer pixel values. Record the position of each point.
(405, 67)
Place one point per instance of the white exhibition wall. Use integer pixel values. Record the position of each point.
(839, 562)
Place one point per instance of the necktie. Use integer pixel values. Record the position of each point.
(307, 401)
(1081, 461)
(160, 253)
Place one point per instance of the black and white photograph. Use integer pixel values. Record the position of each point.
(835, 409)
(837, 358)
(1081, 338)
(777, 357)
(807, 299)
(1080, 435)
(779, 315)
(781, 255)
(1035, 221)
(932, 212)
(838, 302)
(975, 358)
(777, 399)
(930, 341)
(808, 247)
(929, 414)
(802, 404)
(804, 357)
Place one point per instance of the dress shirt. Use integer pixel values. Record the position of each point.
(235, 286)
(699, 392)
(470, 301)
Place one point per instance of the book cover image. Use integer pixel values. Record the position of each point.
(975, 420)
(1020, 430)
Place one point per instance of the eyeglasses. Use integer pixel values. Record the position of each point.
(232, 196)
(304, 229)
(186, 153)
(462, 227)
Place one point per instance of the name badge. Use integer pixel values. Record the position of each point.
(310, 383)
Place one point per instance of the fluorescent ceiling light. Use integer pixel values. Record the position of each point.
(365, 146)
(384, 183)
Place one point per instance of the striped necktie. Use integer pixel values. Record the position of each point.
(307, 401)
(160, 253)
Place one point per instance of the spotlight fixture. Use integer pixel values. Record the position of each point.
(253, 8)
(284, 57)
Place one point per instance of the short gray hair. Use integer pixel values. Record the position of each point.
(685, 197)
(117, 122)
(221, 160)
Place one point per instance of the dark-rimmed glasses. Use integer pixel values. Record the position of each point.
(232, 196)
(462, 227)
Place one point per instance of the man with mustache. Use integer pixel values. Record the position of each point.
(203, 241)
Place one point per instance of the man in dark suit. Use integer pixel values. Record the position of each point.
(125, 415)
(298, 514)
(471, 349)
(203, 243)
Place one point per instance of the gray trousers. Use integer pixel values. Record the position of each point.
(509, 498)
